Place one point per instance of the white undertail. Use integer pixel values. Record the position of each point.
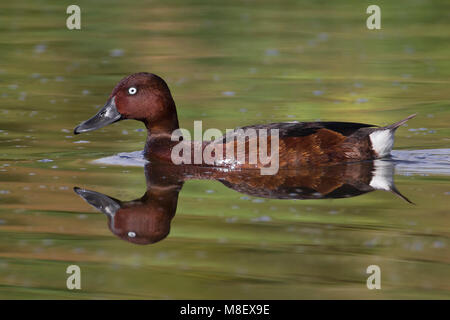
(382, 178)
(382, 142)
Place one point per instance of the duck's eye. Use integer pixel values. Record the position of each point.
(132, 90)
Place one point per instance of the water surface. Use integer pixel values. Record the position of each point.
(229, 64)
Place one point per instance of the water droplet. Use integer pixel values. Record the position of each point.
(40, 48)
(116, 53)
(272, 52)
(262, 219)
(317, 92)
(229, 93)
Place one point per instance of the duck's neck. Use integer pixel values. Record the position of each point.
(159, 131)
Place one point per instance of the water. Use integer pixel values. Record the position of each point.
(229, 65)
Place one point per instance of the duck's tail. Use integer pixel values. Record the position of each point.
(382, 139)
(383, 178)
(394, 126)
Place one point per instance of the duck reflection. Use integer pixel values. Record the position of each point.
(147, 219)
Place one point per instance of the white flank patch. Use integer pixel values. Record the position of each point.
(382, 142)
(383, 178)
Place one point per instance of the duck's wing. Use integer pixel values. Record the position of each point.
(302, 129)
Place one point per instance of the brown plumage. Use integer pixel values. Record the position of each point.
(147, 219)
(147, 98)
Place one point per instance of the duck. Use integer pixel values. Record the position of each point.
(147, 220)
(146, 97)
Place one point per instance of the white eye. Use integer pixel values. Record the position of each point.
(132, 90)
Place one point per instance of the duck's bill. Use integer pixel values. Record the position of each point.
(107, 115)
(100, 201)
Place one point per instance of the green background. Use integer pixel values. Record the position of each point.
(228, 63)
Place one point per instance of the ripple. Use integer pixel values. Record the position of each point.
(427, 161)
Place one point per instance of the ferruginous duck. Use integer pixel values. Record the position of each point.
(147, 219)
(147, 98)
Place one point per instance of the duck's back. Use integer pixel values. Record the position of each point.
(301, 129)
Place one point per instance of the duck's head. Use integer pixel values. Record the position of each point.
(140, 96)
(141, 221)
